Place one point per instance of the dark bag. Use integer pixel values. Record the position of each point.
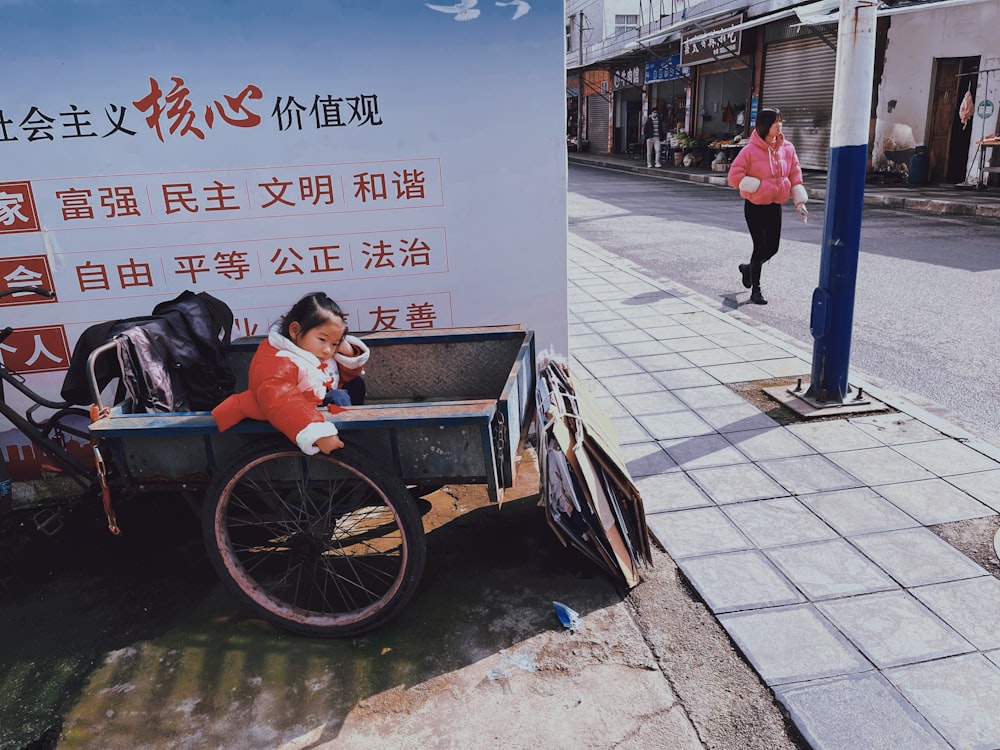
(173, 360)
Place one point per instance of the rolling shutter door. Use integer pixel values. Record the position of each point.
(798, 80)
(597, 124)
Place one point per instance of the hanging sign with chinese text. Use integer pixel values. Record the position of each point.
(715, 41)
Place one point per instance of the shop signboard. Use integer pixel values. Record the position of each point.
(665, 69)
(628, 77)
(259, 152)
(715, 41)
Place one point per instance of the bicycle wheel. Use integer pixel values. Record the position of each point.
(321, 545)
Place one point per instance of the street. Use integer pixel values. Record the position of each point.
(924, 319)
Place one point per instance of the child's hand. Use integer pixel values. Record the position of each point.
(329, 443)
(347, 374)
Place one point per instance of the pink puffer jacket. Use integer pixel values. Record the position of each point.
(766, 173)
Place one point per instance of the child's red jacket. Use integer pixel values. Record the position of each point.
(285, 389)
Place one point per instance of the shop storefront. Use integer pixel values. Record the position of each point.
(724, 79)
(799, 67)
(668, 89)
(627, 82)
(597, 114)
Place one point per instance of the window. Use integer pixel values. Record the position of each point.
(569, 36)
(624, 23)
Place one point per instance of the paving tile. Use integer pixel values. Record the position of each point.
(595, 353)
(983, 485)
(627, 336)
(958, 696)
(661, 362)
(879, 466)
(628, 430)
(735, 484)
(693, 343)
(738, 580)
(892, 628)
(673, 491)
(835, 435)
(916, 557)
(678, 424)
(704, 323)
(857, 511)
(621, 385)
(657, 402)
(895, 429)
(934, 501)
(736, 418)
(604, 368)
(708, 395)
(700, 531)
(783, 520)
(613, 324)
(736, 339)
(801, 475)
(646, 459)
(738, 372)
(611, 407)
(784, 368)
(643, 349)
(792, 644)
(586, 340)
(756, 351)
(701, 451)
(716, 356)
(666, 333)
(827, 569)
(770, 442)
(971, 607)
(947, 457)
(848, 713)
(685, 378)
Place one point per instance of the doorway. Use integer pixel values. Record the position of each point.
(947, 141)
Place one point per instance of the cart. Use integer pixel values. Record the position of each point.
(333, 545)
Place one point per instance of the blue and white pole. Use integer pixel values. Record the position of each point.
(833, 299)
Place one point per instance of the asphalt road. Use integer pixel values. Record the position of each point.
(925, 319)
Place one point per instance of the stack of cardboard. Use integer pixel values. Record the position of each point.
(589, 497)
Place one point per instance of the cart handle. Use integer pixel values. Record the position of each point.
(95, 389)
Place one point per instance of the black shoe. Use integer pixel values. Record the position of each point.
(756, 297)
(745, 273)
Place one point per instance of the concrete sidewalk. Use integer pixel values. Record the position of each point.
(811, 542)
(935, 199)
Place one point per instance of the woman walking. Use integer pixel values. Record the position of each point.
(767, 172)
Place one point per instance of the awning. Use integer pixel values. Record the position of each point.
(887, 9)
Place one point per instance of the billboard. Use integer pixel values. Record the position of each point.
(406, 158)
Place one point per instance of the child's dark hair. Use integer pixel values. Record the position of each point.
(765, 119)
(312, 310)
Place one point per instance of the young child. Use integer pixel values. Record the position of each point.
(307, 360)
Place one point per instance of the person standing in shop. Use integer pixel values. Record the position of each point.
(767, 172)
(653, 132)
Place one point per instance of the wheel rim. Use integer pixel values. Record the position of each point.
(311, 539)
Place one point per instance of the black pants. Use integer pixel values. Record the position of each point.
(764, 223)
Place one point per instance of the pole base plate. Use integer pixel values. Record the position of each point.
(794, 397)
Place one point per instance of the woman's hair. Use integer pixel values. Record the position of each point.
(765, 119)
(313, 310)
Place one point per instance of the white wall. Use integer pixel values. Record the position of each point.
(915, 40)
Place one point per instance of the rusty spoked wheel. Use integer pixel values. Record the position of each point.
(322, 545)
